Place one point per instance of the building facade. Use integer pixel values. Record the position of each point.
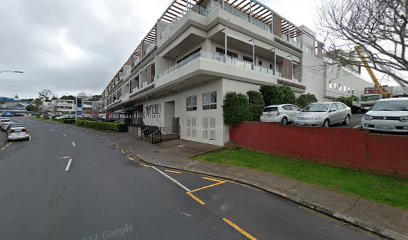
(199, 50)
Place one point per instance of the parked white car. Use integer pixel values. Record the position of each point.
(17, 133)
(283, 113)
(4, 120)
(323, 114)
(387, 115)
(5, 125)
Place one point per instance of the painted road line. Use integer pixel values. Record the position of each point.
(172, 179)
(68, 165)
(212, 179)
(171, 171)
(65, 135)
(73, 144)
(144, 165)
(195, 198)
(131, 159)
(358, 126)
(5, 146)
(240, 230)
(52, 130)
(209, 186)
(64, 157)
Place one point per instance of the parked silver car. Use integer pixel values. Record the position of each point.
(284, 113)
(387, 115)
(323, 114)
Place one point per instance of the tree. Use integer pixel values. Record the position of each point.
(305, 99)
(82, 95)
(46, 94)
(256, 105)
(379, 27)
(274, 95)
(16, 96)
(96, 97)
(32, 108)
(236, 108)
(69, 97)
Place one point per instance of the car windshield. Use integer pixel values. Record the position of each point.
(390, 106)
(370, 98)
(316, 108)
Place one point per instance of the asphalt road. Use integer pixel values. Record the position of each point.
(105, 196)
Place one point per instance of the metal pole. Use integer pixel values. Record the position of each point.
(274, 61)
(11, 71)
(225, 45)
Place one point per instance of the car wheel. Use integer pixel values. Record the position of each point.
(326, 123)
(347, 120)
(284, 121)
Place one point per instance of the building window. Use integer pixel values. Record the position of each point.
(259, 62)
(330, 85)
(270, 66)
(229, 53)
(248, 59)
(191, 103)
(210, 100)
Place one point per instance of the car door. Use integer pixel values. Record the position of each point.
(293, 111)
(286, 110)
(342, 112)
(333, 113)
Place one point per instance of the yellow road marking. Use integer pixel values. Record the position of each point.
(195, 198)
(240, 230)
(176, 172)
(130, 158)
(212, 179)
(209, 186)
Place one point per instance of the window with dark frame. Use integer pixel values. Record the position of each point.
(210, 100)
(229, 53)
(247, 59)
(191, 103)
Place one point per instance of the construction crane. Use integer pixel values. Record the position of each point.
(379, 89)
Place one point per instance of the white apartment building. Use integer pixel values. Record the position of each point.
(178, 75)
(65, 106)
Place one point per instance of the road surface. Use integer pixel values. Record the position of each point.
(70, 184)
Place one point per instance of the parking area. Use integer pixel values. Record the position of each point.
(355, 121)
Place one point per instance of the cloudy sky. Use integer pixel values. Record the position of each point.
(72, 46)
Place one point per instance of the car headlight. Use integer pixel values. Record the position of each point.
(317, 118)
(368, 117)
(404, 119)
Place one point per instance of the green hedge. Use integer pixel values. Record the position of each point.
(104, 126)
(236, 108)
(305, 99)
(256, 105)
(69, 121)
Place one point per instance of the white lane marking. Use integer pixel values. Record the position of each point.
(68, 165)
(52, 130)
(172, 179)
(358, 126)
(73, 144)
(6, 146)
(65, 135)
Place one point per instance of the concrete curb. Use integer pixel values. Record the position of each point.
(383, 232)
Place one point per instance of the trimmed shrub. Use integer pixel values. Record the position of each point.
(69, 121)
(274, 95)
(236, 108)
(103, 126)
(305, 99)
(256, 105)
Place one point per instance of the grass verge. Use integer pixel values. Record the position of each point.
(382, 189)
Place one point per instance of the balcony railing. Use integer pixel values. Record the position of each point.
(196, 8)
(260, 24)
(221, 58)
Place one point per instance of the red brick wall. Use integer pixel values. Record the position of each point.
(342, 147)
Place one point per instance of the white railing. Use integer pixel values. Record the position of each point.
(196, 8)
(260, 24)
(220, 58)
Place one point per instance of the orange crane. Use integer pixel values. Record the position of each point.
(380, 89)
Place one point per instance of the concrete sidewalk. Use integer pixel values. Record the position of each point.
(384, 220)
